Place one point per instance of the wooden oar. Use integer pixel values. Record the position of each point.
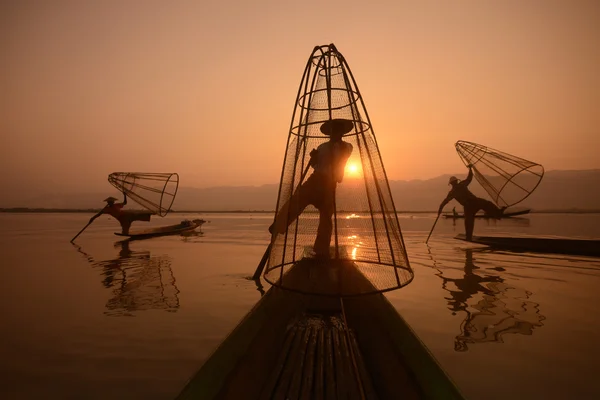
(88, 224)
(436, 220)
(262, 263)
(265, 257)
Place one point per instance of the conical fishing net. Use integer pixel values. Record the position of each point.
(506, 178)
(153, 191)
(354, 197)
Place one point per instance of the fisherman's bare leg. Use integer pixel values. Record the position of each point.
(125, 225)
(292, 209)
(323, 239)
(470, 222)
(325, 204)
(490, 208)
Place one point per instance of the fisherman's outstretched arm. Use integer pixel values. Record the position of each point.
(97, 215)
(470, 176)
(446, 201)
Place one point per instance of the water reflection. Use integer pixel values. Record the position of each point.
(492, 222)
(192, 236)
(492, 307)
(137, 280)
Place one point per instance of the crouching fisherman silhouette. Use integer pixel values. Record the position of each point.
(125, 217)
(328, 161)
(471, 203)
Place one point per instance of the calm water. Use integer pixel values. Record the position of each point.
(109, 319)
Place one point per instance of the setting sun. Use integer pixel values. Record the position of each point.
(352, 169)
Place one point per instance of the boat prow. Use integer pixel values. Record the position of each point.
(580, 247)
(293, 345)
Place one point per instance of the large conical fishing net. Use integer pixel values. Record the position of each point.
(366, 235)
(153, 191)
(506, 178)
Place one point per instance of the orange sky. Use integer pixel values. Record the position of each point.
(208, 90)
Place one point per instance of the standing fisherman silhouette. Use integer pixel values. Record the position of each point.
(471, 203)
(125, 218)
(328, 161)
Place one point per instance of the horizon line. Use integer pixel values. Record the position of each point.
(573, 210)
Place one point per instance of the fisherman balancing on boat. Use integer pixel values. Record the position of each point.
(471, 203)
(328, 161)
(125, 217)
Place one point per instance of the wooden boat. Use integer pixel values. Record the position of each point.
(505, 215)
(581, 247)
(183, 226)
(302, 340)
(299, 346)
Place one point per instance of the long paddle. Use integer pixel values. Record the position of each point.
(265, 257)
(88, 224)
(262, 263)
(438, 216)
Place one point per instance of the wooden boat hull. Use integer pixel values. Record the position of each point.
(292, 345)
(164, 230)
(506, 215)
(579, 247)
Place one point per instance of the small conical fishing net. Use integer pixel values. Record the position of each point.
(506, 178)
(153, 191)
(337, 232)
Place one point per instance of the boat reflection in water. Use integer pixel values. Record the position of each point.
(498, 310)
(523, 222)
(192, 236)
(137, 280)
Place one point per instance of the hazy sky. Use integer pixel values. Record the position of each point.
(207, 89)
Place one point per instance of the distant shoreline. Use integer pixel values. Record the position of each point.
(95, 210)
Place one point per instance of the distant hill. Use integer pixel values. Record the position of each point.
(564, 190)
(559, 190)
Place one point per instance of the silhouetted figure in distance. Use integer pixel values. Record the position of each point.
(125, 218)
(471, 203)
(328, 161)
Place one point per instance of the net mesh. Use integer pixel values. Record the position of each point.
(153, 191)
(506, 178)
(366, 230)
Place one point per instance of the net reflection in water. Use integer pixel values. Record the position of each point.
(138, 281)
(500, 308)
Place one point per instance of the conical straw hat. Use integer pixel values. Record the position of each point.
(338, 126)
